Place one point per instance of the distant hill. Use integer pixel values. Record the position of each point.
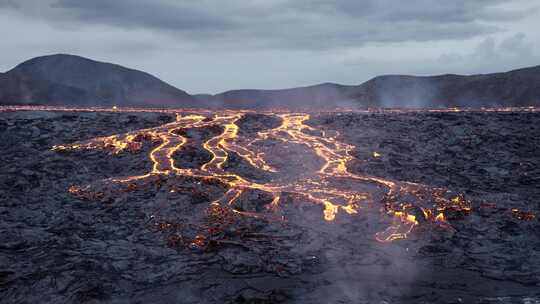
(515, 88)
(321, 95)
(73, 80)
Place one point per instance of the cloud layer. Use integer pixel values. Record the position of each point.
(215, 45)
(303, 24)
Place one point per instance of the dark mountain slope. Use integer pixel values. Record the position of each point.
(322, 95)
(515, 88)
(60, 76)
(19, 89)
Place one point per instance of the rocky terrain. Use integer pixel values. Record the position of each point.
(143, 243)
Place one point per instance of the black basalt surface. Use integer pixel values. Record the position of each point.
(55, 248)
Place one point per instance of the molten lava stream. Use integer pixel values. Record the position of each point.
(314, 184)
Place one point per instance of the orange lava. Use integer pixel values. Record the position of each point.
(315, 185)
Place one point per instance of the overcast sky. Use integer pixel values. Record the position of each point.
(213, 46)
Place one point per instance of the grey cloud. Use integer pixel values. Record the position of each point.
(139, 13)
(302, 24)
(414, 10)
(8, 4)
(491, 55)
(518, 45)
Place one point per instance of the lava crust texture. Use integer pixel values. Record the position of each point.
(269, 207)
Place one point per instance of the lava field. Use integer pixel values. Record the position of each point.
(198, 206)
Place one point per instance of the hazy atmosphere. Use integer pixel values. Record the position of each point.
(202, 47)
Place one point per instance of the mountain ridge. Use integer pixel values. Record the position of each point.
(100, 83)
(63, 79)
(395, 90)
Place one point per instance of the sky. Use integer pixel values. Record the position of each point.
(207, 46)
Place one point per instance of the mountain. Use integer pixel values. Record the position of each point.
(73, 80)
(18, 89)
(515, 88)
(321, 95)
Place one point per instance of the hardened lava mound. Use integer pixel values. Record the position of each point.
(191, 206)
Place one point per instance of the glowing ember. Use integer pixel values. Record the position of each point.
(523, 215)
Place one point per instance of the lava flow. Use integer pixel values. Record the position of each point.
(322, 176)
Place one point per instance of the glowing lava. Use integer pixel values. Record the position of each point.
(317, 185)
